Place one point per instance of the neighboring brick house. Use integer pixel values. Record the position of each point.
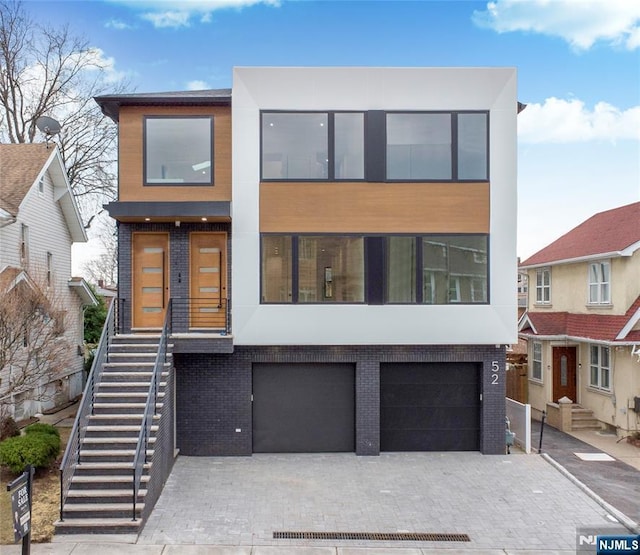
(39, 221)
(583, 319)
(337, 246)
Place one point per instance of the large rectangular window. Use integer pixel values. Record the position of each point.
(330, 269)
(600, 374)
(375, 146)
(419, 146)
(375, 269)
(454, 269)
(178, 150)
(599, 283)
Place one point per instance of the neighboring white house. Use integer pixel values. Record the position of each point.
(583, 319)
(39, 220)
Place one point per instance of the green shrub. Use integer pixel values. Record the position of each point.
(38, 449)
(40, 428)
(8, 428)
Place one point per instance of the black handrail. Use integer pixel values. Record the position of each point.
(150, 409)
(71, 456)
(194, 314)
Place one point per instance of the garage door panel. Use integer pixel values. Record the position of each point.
(429, 395)
(429, 418)
(438, 440)
(429, 407)
(303, 408)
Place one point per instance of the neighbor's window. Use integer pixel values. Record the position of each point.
(330, 269)
(49, 269)
(599, 283)
(543, 286)
(24, 245)
(600, 375)
(276, 269)
(178, 150)
(536, 367)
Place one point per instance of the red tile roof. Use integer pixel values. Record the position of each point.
(606, 232)
(599, 327)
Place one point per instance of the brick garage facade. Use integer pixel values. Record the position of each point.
(213, 392)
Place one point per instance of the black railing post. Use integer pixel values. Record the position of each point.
(544, 415)
(134, 494)
(61, 495)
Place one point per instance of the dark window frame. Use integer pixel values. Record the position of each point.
(146, 118)
(454, 146)
(374, 282)
(375, 146)
(331, 143)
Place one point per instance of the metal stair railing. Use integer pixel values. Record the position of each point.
(150, 409)
(71, 456)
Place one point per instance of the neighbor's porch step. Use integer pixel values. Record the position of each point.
(98, 526)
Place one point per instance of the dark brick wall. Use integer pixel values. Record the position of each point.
(214, 392)
(178, 260)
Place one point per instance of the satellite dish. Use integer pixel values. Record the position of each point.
(48, 126)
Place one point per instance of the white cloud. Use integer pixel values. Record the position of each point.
(567, 121)
(167, 19)
(178, 13)
(198, 85)
(579, 22)
(118, 25)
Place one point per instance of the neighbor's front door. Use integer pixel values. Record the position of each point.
(564, 373)
(208, 280)
(150, 279)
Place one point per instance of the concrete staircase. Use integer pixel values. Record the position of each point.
(583, 419)
(101, 492)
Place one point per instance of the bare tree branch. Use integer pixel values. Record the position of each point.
(50, 71)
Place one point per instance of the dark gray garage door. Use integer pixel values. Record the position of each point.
(429, 407)
(303, 408)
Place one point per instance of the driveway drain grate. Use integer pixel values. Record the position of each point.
(371, 536)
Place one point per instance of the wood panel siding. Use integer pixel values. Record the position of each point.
(131, 157)
(374, 207)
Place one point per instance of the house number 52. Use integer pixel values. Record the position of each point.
(495, 369)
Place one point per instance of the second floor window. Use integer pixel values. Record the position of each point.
(543, 286)
(313, 145)
(178, 150)
(599, 283)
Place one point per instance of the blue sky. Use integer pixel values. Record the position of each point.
(578, 67)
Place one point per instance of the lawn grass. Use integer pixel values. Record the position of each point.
(46, 500)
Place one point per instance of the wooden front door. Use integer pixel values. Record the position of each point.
(564, 373)
(208, 276)
(150, 279)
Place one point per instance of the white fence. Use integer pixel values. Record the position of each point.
(519, 416)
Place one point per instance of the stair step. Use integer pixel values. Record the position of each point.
(103, 496)
(110, 441)
(125, 376)
(106, 482)
(125, 394)
(102, 510)
(110, 453)
(128, 385)
(106, 469)
(98, 526)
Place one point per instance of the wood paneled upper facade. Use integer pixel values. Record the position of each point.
(174, 155)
